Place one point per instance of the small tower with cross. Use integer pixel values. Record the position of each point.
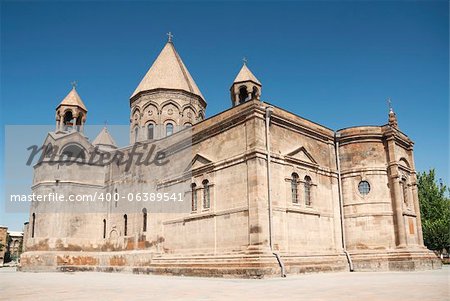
(392, 121)
(245, 86)
(71, 112)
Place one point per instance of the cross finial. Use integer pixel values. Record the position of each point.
(74, 84)
(390, 105)
(170, 36)
(244, 60)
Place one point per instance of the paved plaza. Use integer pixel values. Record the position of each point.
(386, 286)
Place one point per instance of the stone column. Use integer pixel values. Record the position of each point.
(396, 194)
(258, 214)
(160, 127)
(415, 199)
(61, 123)
(336, 213)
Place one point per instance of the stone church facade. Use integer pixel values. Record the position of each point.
(269, 192)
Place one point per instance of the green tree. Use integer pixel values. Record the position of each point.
(435, 211)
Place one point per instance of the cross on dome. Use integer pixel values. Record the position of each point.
(170, 36)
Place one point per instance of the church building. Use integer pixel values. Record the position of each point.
(265, 192)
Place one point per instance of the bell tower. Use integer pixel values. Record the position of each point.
(71, 112)
(245, 86)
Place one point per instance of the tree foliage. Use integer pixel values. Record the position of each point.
(435, 211)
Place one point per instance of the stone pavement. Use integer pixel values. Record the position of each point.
(386, 286)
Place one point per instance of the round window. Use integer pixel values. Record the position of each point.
(364, 187)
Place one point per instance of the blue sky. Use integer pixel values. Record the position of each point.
(332, 62)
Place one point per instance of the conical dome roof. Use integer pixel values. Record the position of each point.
(73, 99)
(246, 75)
(168, 72)
(104, 138)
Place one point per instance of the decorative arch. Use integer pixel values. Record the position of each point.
(170, 101)
(68, 109)
(189, 106)
(169, 120)
(404, 162)
(201, 115)
(135, 109)
(73, 150)
(150, 111)
(135, 115)
(150, 104)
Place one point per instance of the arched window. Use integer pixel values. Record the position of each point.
(33, 223)
(79, 121)
(187, 124)
(194, 196)
(206, 194)
(255, 93)
(169, 129)
(68, 120)
(150, 130)
(294, 188)
(116, 198)
(73, 152)
(243, 94)
(144, 220)
(104, 228)
(136, 133)
(125, 225)
(307, 191)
